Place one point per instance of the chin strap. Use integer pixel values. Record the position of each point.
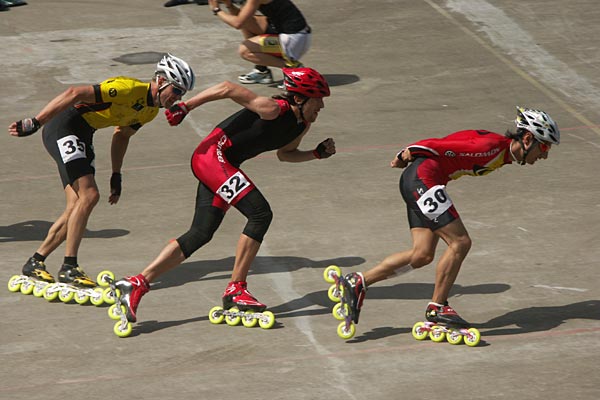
(160, 89)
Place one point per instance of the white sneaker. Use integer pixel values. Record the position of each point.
(256, 76)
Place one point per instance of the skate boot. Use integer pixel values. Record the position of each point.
(257, 76)
(37, 270)
(444, 314)
(354, 291)
(240, 306)
(444, 323)
(131, 289)
(237, 295)
(34, 279)
(75, 276)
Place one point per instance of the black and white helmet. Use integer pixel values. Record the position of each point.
(177, 71)
(539, 124)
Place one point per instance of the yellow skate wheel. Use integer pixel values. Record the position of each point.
(123, 330)
(249, 321)
(346, 333)
(27, 286)
(267, 320)
(81, 298)
(51, 292)
(340, 313)
(418, 331)
(66, 295)
(215, 315)
(233, 320)
(454, 337)
(334, 294)
(38, 289)
(102, 280)
(97, 298)
(437, 334)
(14, 283)
(473, 338)
(330, 272)
(113, 312)
(109, 296)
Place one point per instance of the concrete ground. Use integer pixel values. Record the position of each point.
(400, 70)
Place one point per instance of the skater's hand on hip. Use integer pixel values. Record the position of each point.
(176, 113)
(401, 160)
(115, 188)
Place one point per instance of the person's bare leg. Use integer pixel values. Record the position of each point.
(88, 196)
(457, 238)
(422, 253)
(170, 257)
(251, 51)
(58, 231)
(246, 251)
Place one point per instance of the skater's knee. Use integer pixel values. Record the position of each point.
(193, 239)
(258, 223)
(461, 244)
(421, 259)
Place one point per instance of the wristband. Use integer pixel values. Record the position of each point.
(216, 10)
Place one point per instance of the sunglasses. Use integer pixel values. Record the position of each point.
(177, 91)
(544, 147)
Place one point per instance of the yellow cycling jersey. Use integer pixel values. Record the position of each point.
(120, 101)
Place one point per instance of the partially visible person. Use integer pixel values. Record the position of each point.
(264, 124)
(70, 121)
(430, 164)
(277, 38)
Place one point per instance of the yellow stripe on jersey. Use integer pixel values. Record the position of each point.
(122, 101)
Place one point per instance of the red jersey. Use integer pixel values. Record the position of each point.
(470, 152)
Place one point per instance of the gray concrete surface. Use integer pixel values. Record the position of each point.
(400, 70)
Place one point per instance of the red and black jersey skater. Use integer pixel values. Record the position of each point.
(278, 123)
(429, 165)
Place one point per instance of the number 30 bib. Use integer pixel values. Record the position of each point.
(434, 202)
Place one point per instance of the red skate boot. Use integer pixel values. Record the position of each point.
(131, 288)
(237, 295)
(444, 314)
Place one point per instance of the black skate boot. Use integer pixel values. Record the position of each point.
(354, 291)
(37, 270)
(74, 275)
(444, 314)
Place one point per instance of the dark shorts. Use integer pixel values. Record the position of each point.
(69, 140)
(427, 204)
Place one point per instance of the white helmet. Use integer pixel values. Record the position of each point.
(539, 124)
(176, 71)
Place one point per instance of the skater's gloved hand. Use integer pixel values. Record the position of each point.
(24, 127)
(325, 149)
(176, 113)
(115, 188)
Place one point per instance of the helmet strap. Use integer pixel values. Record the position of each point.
(160, 89)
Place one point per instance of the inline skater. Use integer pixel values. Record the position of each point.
(70, 121)
(431, 213)
(279, 123)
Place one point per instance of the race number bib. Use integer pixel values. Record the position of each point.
(233, 187)
(434, 202)
(71, 148)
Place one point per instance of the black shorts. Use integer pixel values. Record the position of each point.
(413, 188)
(69, 140)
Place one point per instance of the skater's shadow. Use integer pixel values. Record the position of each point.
(424, 291)
(537, 319)
(153, 326)
(37, 230)
(221, 269)
(332, 80)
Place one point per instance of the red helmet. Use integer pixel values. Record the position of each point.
(305, 81)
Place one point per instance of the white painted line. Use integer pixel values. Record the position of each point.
(559, 288)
